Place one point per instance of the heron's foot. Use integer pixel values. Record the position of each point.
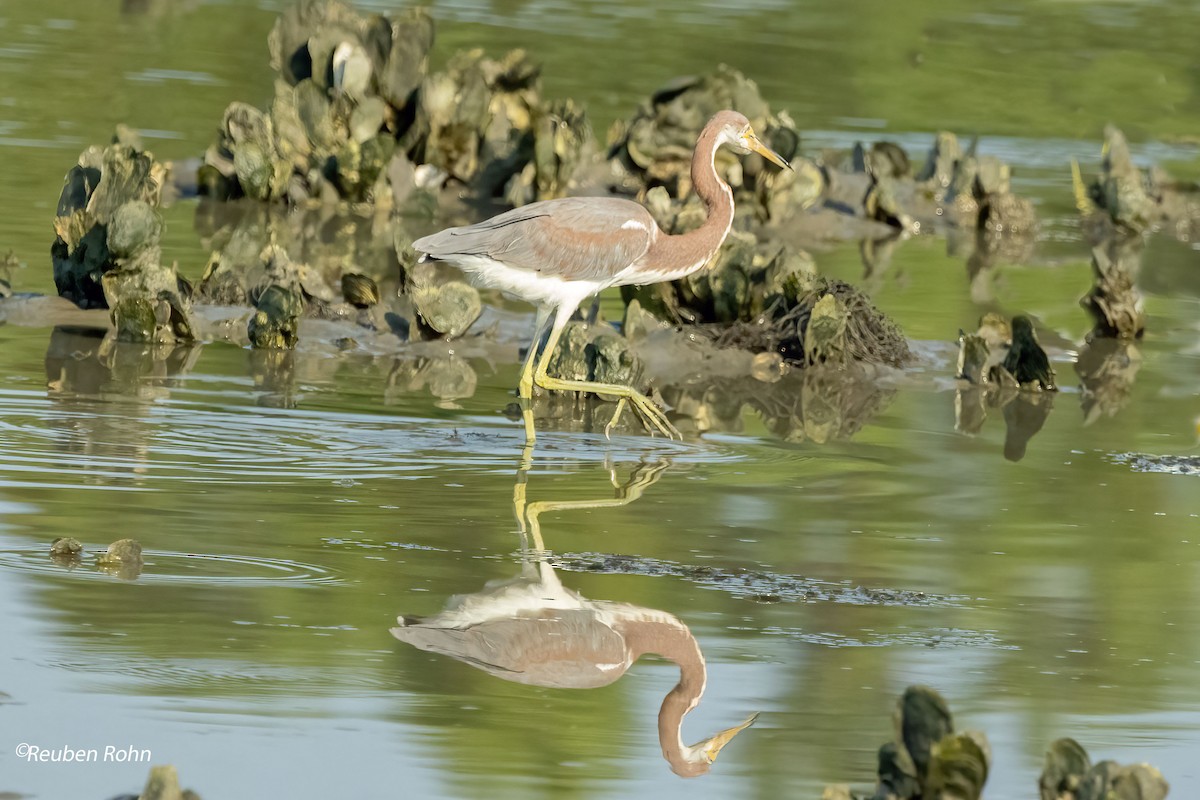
(615, 417)
(654, 418)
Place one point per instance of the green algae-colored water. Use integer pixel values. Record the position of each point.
(1061, 591)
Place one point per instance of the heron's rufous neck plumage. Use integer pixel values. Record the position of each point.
(686, 252)
(672, 640)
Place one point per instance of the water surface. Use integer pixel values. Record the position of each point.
(289, 515)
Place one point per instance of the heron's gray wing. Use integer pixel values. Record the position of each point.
(566, 649)
(578, 238)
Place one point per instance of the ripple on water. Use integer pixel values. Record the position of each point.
(933, 638)
(181, 568)
(132, 445)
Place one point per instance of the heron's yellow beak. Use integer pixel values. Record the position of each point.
(713, 745)
(756, 145)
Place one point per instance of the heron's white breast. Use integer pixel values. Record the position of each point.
(540, 288)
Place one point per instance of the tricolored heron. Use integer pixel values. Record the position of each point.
(533, 630)
(556, 253)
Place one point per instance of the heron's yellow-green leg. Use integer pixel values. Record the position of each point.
(525, 387)
(527, 417)
(652, 413)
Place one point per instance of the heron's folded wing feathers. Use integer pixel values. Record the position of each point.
(591, 238)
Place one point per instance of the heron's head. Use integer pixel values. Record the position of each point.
(698, 759)
(735, 131)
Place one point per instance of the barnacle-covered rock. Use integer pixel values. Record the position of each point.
(981, 354)
(882, 203)
(66, 551)
(444, 305)
(972, 357)
(1119, 191)
(447, 309)
(122, 551)
(148, 300)
(107, 250)
(596, 353)
(122, 559)
(1006, 213)
(569, 361)
(276, 320)
(1123, 200)
(610, 360)
(94, 190)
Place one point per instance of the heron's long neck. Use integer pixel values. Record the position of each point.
(682, 253)
(671, 639)
(716, 194)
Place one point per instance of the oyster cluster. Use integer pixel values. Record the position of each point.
(654, 147)
(1069, 774)
(357, 117)
(928, 760)
(106, 251)
(1121, 197)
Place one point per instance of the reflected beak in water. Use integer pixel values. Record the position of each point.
(756, 145)
(711, 746)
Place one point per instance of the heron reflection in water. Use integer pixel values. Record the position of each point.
(533, 630)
